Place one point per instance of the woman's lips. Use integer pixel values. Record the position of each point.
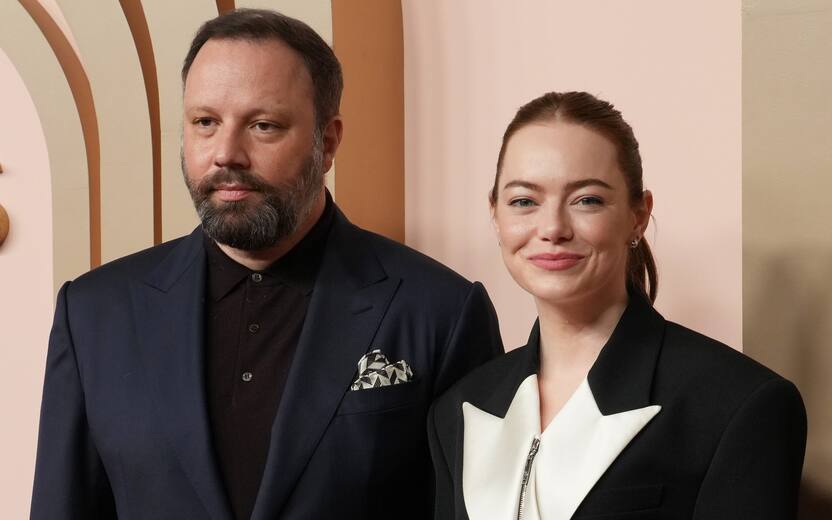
(555, 261)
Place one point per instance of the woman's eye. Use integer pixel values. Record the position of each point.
(521, 203)
(589, 201)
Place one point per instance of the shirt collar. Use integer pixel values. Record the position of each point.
(297, 268)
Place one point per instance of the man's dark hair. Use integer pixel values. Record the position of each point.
(261, 25)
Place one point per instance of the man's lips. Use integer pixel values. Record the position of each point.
(232, 192)
(555, 261)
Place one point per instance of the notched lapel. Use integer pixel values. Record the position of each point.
(169, 317)
(349, 300)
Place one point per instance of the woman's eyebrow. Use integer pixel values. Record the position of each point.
(523, 184)
(575, 185)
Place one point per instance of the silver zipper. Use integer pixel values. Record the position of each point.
(524, 486)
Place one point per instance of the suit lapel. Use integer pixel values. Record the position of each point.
(169, 316)
(578, 447)
(350, 297)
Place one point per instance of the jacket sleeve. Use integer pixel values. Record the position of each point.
(475, 339)
(755, 471)
(443, 482)
(70, 482)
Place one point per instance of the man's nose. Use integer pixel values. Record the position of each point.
(230, 149)
(554, 223)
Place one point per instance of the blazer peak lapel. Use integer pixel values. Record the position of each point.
(169, 325)
(578, 447)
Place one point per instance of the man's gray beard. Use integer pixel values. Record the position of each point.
(253, 226)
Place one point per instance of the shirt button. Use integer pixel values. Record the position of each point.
(257, 277)
(247, 376)
(253, 328)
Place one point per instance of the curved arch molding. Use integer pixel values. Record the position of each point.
(54, 78)
(110, 59)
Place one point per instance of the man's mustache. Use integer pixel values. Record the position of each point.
(225, 176)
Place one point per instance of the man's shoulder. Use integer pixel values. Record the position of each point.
(403, 261)
(117, 272)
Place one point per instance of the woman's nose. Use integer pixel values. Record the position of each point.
(554, 224)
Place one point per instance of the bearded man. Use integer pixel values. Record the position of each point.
(279, 361)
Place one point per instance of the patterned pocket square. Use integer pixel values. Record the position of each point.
(375, 370)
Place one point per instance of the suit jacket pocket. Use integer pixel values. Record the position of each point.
(602, 502)
(381, 399)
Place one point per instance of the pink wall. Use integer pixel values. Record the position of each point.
(675, 73)
(26, 291)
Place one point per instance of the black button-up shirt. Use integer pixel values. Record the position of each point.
(253, 322)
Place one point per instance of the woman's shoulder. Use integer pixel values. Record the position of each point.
(691, 364)
(491, 383)
(698, 352)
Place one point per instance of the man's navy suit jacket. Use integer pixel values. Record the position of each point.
(124, 427)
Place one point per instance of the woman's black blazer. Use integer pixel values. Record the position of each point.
(701, 431)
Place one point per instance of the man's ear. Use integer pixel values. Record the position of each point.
(332, 134)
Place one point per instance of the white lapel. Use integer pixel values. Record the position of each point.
(575, 450)
(494, 454)
(578, 447)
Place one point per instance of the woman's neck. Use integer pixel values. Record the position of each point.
(571, 337)
(575, 330)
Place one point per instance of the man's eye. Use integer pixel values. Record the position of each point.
(265, 126)
(521, 203)
(204, 122)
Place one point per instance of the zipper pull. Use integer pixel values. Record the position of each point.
(527, 470)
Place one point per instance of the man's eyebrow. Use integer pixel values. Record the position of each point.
(197, 108)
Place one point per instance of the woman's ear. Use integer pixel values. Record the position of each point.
(642, 212)
(492, 207)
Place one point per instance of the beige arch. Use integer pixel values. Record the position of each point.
(112, 65)
(37, 64)
(172, 26)
(137, 22)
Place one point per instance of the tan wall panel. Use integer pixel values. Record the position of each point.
(36, 62)
(115, 75)
(26, 292)
(674, 71)
(172, 27)
(316, 13)
(787, 242)
(369, 43)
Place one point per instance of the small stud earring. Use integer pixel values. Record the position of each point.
(633, 243)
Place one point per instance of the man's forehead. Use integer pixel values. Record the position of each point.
(271, 51)
(242, 68)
